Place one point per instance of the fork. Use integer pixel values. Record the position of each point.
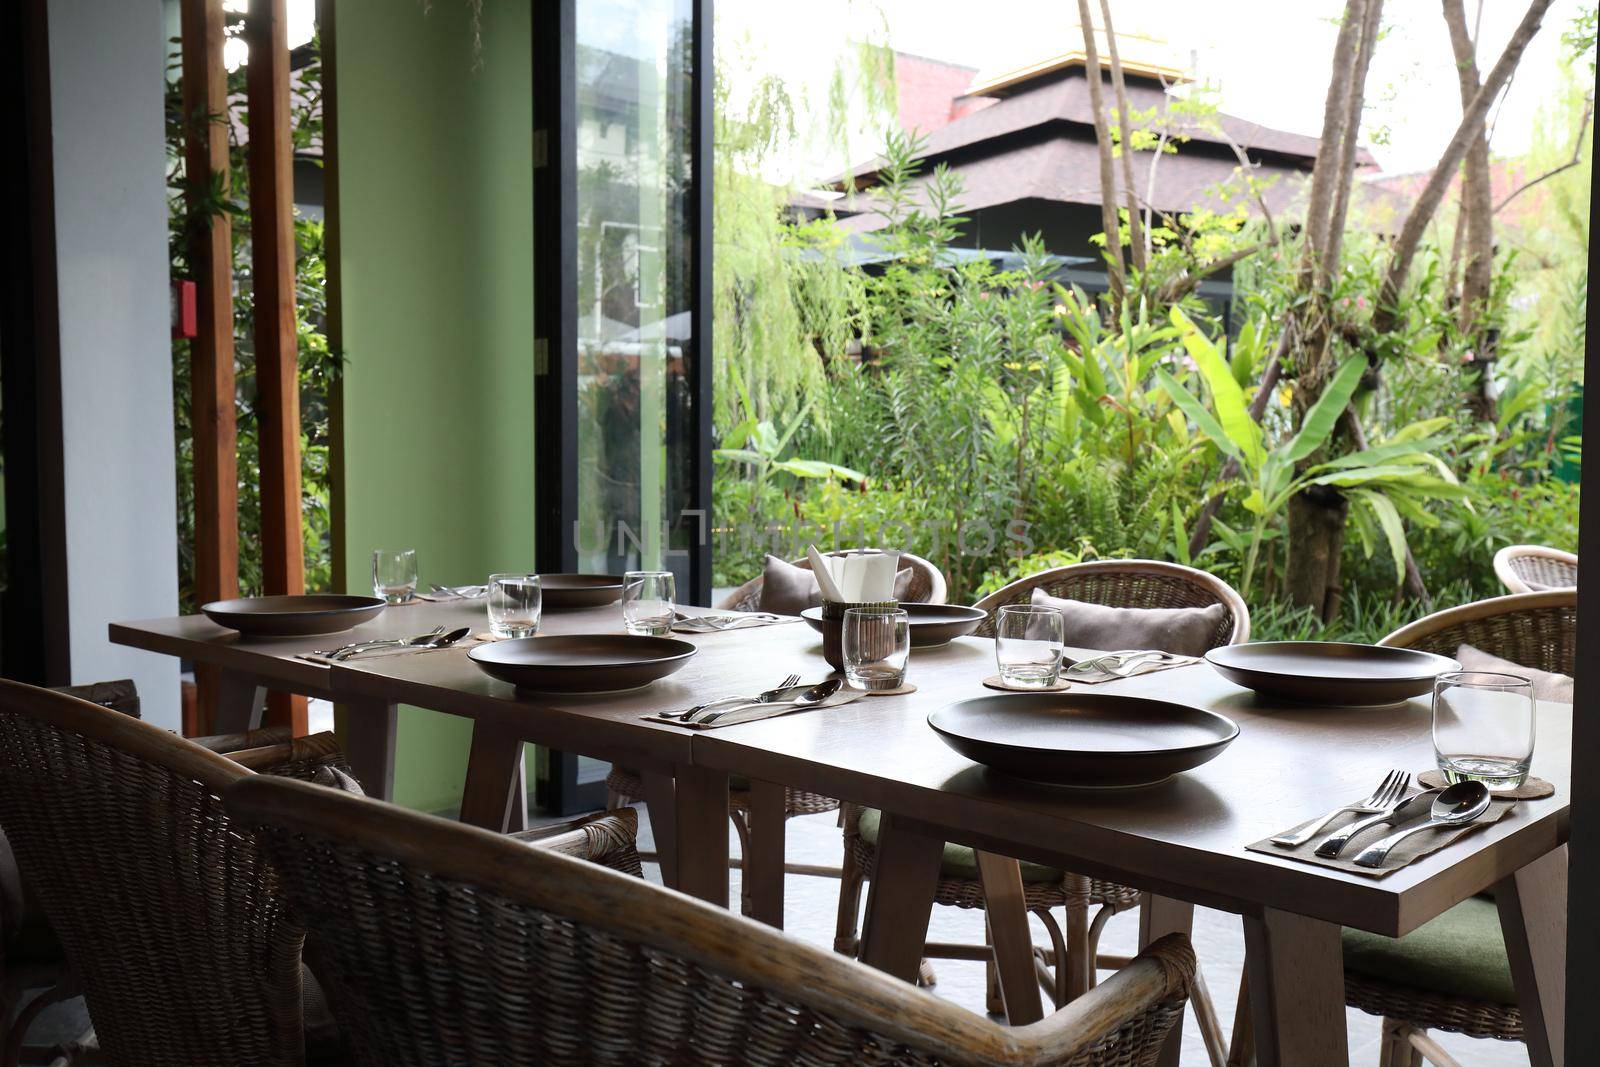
(765, 698)
(1389, 790)
(363, 645)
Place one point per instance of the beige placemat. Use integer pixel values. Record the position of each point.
(1532, 789)
(1408, 851)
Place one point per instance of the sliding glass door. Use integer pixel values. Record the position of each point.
(622, 103)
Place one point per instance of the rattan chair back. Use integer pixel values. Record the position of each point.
(1129, 583)
(1535, 630)
(444, 944)
(168, 914)
(1535, 568)
(927, 585)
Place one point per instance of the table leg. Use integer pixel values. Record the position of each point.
(658, 800)
(1158, 917)
(763, 867)
(1013, 941)
(517, 812)
(900, 902)
(241, 703)
(1533, 920)
(366, 730)
(700, 822)
(491, 773)
(1296, 989)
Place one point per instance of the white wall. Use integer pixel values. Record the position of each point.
(106, 84)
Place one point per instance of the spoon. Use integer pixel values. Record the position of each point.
(1413, 807)
(815, 695)
(1462, 803)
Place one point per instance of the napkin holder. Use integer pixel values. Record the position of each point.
(833, 626)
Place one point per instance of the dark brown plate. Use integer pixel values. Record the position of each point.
(580, 590)
(1089, 740)
(581, 663)
(1330, 672)
(931, 624)
(293, 616)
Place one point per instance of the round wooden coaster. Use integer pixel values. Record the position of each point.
(908, 687)
(994, 682)
(1532, 789)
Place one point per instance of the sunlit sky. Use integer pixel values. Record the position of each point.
(1269, 59)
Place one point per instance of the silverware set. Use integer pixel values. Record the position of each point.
(789, 695)
(777, 692)
(725, 622)
(457, 592)
(1122, 664)
(434, 638)
(1388, 805)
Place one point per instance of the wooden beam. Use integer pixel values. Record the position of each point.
(212, 404)
(277, 348)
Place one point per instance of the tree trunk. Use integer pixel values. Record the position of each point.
(1477, 213)
(1120, 88)
(1316, 541)
(1355, 100)
(1108, 181)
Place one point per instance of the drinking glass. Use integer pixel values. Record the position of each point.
(1483, 725)
(647, 602)
(876, 643)
(515, 602)
(1028, 646)
(394, 574)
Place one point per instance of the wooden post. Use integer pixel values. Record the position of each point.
(277, 349)
(211, 382)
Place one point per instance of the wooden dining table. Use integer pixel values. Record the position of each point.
(1182, 842)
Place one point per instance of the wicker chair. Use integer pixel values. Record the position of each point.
(1074, 951)
(1452, 973)
(168, 915)
(1535, 568)
(927, 586)
(444, 944)
(624, 785)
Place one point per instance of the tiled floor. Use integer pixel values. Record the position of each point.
(811, 906)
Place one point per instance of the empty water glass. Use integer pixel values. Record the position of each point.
(515, 604)
(1028, 646)
(1483, 727)
(876, 642)
(647, 602)
(394, 574)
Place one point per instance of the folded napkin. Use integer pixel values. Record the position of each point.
(711, 624)
(1406, 852)
(788, 590)
(861, 576)
(1092, 673)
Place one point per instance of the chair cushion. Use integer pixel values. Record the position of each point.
(1556, 688)
(788, 590)
(960, 862)
(1459, 954)
(1183, 631)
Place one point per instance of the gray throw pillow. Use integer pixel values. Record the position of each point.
(788, 590)
(1183, 631)
(1556, 688)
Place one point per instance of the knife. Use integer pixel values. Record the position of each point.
(1407, 810)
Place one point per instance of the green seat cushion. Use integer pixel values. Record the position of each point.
(959, 860)
(1459, 954)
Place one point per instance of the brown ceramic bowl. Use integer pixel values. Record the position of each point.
(563, 591)
(581, 663)
(932, 625)
(1330, 672)
(1088, 740)
(293, 616)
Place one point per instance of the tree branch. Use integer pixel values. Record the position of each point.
(1577, 157)
(1120, 89)
(1335, 113)
(1328, 260)
(1115, 267)
(1427, 203)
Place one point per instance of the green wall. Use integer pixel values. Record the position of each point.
(435, 172)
